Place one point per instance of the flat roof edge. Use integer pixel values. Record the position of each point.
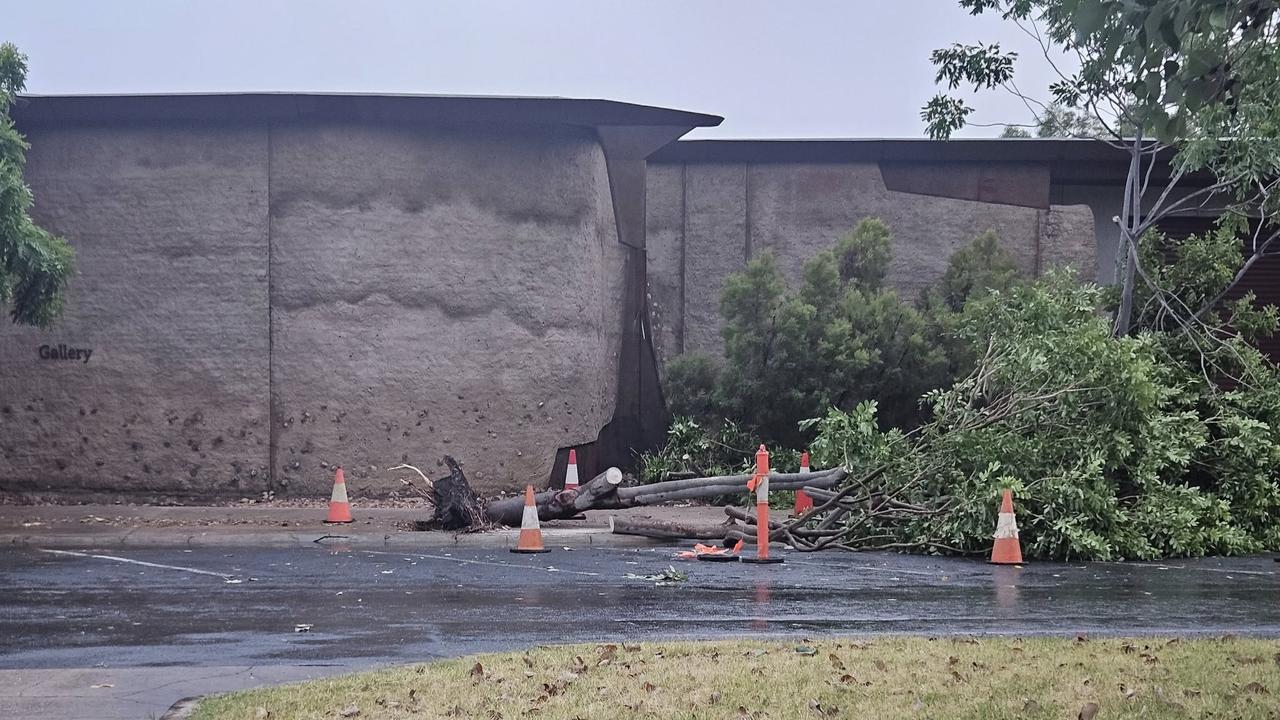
(32, 109)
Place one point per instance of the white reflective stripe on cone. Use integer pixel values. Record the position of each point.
(339, 493)
(530, 518)
(571, 476)
(1006, 526)
(762, 489)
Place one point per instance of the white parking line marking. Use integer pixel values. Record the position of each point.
(490, 563)
(224, 576)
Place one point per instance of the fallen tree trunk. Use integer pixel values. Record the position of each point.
(560, 504)
(603, 492)
(667, 530)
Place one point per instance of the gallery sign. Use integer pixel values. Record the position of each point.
(64, 352)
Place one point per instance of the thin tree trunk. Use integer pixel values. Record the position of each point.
(1130, 218)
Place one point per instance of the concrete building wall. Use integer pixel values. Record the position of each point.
(440, 292)
(264, 302)
(717, 215)
(170, 231)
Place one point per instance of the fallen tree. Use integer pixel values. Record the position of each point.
(604, 492)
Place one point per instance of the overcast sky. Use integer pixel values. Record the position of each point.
(775, 68)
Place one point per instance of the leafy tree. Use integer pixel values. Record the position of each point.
(1057, 121)
(34, 264)
(840, 339)
(976, 270)
(1188, 83)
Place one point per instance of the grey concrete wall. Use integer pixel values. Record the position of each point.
(385, 293)
(716, 215)
(170, 230)
(439, 292)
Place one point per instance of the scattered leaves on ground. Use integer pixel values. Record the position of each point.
(887, 679)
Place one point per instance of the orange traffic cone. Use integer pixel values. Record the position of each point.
(571, 473)
(339, 508)
(804, 503)
(1007, 549)
(530, 532)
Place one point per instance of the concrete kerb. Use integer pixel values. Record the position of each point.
(554, 538)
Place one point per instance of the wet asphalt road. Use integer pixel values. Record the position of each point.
(224, 606)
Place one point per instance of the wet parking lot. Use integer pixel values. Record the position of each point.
(337, 606)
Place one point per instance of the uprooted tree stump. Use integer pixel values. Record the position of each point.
(454, 504)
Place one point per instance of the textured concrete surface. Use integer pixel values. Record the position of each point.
(133, 693)
(170, 228)
(112, 618)
(1067, 239)
(722, 213)
(665, 258)
(715, 245)
(438, 292)
(256, 305)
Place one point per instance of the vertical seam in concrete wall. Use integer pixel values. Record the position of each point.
(684, 228)
(1039, 267)
(747, 248)
(273, 440)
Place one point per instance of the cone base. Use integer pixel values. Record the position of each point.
(707, 557)
(762, 561)
(338, 522)
(1004, 562)
(527, 551)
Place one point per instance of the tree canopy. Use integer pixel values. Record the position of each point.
(34, 264)
(1191, 85)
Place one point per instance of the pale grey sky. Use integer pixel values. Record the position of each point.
(772, 68)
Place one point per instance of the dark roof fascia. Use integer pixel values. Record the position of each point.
(876, 149)
(37, 110)
(1071, 160)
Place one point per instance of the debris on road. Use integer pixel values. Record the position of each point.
(670, 576)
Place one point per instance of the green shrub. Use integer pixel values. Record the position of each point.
(840, 339)
(698, 451)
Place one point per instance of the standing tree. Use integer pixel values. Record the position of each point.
(34, 264)
(1056, 121)
(1190, 89)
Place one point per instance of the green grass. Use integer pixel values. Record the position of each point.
(881, 678)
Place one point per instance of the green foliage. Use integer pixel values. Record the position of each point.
(1058, 121)
(1197, 272)
(690, 386)
(840, 339)
(692, 449)
(981, 267)
(1174, 64)
(34, 264)
(1114, 447)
